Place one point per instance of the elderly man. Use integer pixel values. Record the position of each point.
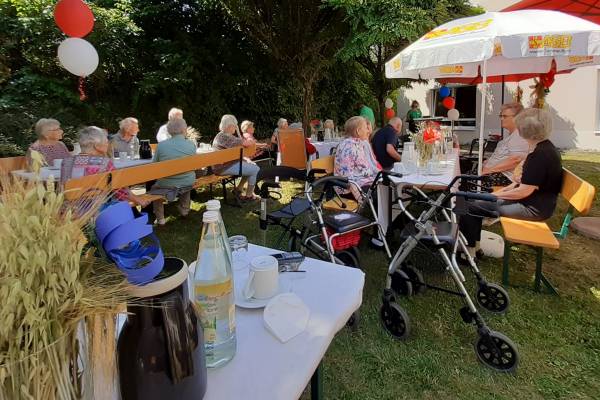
(126, 139)
(510, 151)
(162, 133)
(384, 144)
(177, 185)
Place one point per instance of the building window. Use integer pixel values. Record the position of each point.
(466, 104)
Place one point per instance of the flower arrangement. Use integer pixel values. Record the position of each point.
(51, 287)
(425, 138)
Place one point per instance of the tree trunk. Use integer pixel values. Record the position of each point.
(308, 84)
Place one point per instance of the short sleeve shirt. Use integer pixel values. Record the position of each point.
(543, 168)
(225, 141)
(511, 146)
(172, 149)
(51, 152)
(383, 137)
(121, 145)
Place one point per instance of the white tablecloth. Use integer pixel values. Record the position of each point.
(45, 172)
(387, 214)
(266, 369)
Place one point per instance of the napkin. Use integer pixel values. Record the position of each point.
(286, 316)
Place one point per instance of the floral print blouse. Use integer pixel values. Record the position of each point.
(355, 160)
(83, 164)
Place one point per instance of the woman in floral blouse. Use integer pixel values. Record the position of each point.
(354, 157)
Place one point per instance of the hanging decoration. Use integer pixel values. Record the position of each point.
(74, 18)
(444, 92)
(76, 55)
(449, 102)
(453, 114)
(389, 113)
(389, 103)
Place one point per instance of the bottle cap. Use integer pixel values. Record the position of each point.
(213, 205)
(210, 216)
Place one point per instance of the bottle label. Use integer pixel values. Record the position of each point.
(215, 302)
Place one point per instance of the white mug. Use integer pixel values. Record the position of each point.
(263, 279)
(57, 162)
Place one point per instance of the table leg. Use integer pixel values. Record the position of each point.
(316, 384)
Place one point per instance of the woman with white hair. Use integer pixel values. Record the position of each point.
(228, 137)
(126, 139)
(247, 128)
(163, 133)
(180, 185)
(94, 159)
(282, 123)
(534, 197)
(48, 144)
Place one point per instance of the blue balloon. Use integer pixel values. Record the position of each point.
(444, 92)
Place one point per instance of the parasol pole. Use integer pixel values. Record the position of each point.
(482, 115)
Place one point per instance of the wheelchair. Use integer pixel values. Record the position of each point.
(436, 230)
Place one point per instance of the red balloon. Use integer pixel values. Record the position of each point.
(449, 102)
(74, 18)
(389, 113)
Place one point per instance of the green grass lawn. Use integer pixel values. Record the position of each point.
(558, 337)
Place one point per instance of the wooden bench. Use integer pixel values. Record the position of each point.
(580, 195)
(9, 164)
(127, 177)
(337, 204)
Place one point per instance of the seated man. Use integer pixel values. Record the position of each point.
(384, 144)
(126, 139)
(509, 152)
(178, 185)
(162, 133)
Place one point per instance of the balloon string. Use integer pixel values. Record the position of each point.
(82, 95)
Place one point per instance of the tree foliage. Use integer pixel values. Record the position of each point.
(259, 60)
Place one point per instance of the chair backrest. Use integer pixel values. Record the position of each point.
(9, 164)
(324, 163)
(579, 193)
(292, 148)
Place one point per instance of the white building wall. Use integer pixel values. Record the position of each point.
(573, 101)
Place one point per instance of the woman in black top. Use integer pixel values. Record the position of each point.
(531, 198)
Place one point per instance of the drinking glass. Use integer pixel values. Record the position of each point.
(239, 252)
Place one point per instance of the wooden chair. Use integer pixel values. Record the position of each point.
(337, 204)
(580, 195)
(9, 164)
(292, 148)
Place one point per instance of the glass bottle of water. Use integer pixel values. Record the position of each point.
(215, 205)
(131, 151)
(213, 293)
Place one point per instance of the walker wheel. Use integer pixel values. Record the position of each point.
(353, 321)
(497, 351)
(348, 259)
(401, 283)
(418, 283)
(395, 320)
(493, 298)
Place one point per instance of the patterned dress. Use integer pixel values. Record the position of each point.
(84, 164)
(355, 160)
(51, 152)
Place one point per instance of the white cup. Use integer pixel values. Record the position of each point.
(263, 279)
(123, 155)
(57, 162)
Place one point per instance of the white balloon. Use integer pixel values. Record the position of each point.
(78, 56)
(453, 114)
(389, 103)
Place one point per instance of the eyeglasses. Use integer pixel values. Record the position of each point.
(505, 116)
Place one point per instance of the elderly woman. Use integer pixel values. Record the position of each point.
(94, 159)
(126, 139)
(282, 123)
(228, 137)
(534, 198)
(177, 185)
(247, 128)
(354, 157)
(48, 143)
